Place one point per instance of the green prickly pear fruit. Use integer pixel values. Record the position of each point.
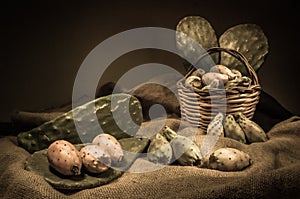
(64, 158)
(95, 159)
(228, 159)
(159, 150)
(236, 73)
(199, 72)
(223, 70)
(253, 132)
(186, 151)
(214, 84)
(168, 133)
(233, 130)
(207, 78)
(193, 82)
(110, 145)
(109, 112)
(215, 127)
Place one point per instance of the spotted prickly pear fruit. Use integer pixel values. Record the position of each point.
(159, 150)
(110, 145)
(233, 130)
(228, 159)
(94, 158)
(223, 70)
(64, 158)
(236, 73)
(199, 72)
(214, 84)
(186, 151)
(253, 132)
(193, 82)
(207, 78)
(215, 127)
(168, 133)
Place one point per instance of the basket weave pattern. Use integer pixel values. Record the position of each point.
(198, 107)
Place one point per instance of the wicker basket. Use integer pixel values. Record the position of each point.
(198, 107)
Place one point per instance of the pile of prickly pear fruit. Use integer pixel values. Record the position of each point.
(219, 76)
(96, 157)
(167, 145)
(238, 127)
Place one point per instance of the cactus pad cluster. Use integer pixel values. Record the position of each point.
(249, 39)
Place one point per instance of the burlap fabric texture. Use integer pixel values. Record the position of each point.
(275, 173)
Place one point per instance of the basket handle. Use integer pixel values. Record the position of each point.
(232, 52)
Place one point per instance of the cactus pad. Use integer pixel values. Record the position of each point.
(111, 112)
(249, 40)
(192, 31)
(38, 164)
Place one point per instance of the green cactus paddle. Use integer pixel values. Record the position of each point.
(192, 31)
(109, 117)
(248, 39)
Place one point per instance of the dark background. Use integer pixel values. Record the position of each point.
(45, 42)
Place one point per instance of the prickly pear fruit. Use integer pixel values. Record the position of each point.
(214, 84)
(253, 132)
(223, 70)
(239, 81)
(193, 82)
(237, 73)
(94, 158)
(64, 158)
(186, 151)
(109, 112)
(110, 146)
(233, 130)
(207, 78)
(215, 127)
(168, 133)
(228, 159)
(159, 150)
(199, 72)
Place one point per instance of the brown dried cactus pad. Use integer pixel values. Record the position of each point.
(192, 31)
(39, 164)
(248, 39)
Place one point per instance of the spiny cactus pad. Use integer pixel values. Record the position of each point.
(109, 116)
(199, 30)
(39, 164)
(248, 39)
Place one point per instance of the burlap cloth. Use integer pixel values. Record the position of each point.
(275, 172)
